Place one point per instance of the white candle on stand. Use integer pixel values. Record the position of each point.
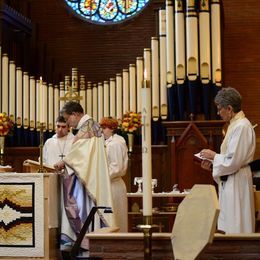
(41, 110)
(146, 147)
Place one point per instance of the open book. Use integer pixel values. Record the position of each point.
(36, 163)
(200, 158)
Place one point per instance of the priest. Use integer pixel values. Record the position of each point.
(86, 181)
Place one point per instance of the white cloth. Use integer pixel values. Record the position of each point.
(237, 214)
(117, 165)
(54, 147)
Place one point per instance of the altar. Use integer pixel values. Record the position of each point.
(29, 219)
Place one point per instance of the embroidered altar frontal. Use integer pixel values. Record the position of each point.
(21, 214)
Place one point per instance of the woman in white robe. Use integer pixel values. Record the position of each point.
(117, 163)
(230, 168)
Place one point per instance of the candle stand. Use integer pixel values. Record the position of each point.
(41, 168)
(147, 228)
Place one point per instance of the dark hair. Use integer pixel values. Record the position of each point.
(60, 119)
(229, 97)
(71, 107)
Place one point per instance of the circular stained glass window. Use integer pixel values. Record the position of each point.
(106, 11)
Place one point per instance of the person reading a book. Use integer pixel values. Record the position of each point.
(230, 167)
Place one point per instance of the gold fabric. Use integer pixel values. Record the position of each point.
(88, 160)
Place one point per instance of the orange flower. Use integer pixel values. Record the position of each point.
(6, 124)
(131, 122)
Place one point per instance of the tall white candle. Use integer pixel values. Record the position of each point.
(26, 102)
(57, 107)
(44, 103)
(38, 101)
(62, 93)
(41, 109)
(146, 149)
(50, 108)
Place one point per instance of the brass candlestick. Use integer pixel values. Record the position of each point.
(147, 229)
(41, 169)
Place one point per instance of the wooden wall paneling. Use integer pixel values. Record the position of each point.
(185, 139)
(15, 156)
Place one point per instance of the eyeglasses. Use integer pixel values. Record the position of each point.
(61, 126)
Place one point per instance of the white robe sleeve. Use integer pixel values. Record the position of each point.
(238, 152)
(117, 159)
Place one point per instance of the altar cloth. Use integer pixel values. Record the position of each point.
(21, 214)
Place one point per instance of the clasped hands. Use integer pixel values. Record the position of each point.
(208, 155)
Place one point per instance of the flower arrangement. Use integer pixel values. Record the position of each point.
(6, 124)
(131, 122)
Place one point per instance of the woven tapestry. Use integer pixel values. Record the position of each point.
(21, 214)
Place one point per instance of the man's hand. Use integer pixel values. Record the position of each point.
(59, 166)
(206, 165)
(207, 154)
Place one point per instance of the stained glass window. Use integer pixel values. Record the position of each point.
(106, 11)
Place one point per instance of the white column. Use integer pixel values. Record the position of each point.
(26, 100)
(155, 78)
(119, 96)
(112, 89)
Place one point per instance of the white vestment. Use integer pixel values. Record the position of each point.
(54, 148)
(86, 182)
(117, 165)
(236, 198)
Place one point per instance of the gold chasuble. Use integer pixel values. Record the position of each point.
(88, 160)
